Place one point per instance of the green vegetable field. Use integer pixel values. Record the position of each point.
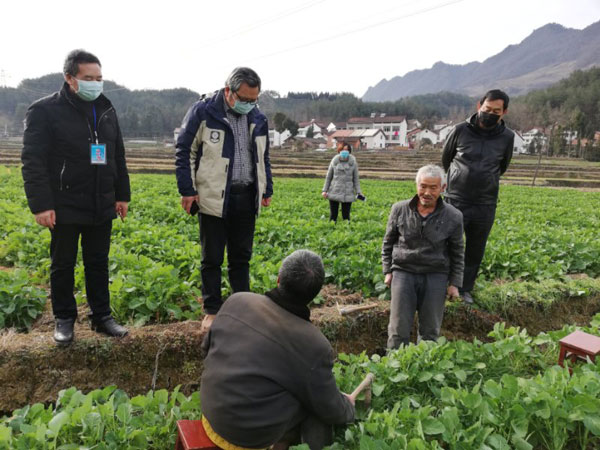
(502, 394)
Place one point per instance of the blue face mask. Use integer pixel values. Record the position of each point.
(89, 90)
(243, 107)
(344, 154)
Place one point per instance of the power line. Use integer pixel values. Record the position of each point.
(264, 22)
(358, 30)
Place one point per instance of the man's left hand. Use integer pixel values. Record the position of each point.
(265, 201)
(453, 292)
(121, 208)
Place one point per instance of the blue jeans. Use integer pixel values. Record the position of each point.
(411, 292)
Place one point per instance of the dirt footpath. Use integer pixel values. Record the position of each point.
(33, 369)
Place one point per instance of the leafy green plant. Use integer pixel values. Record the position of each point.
(104, 419)
(20, 301)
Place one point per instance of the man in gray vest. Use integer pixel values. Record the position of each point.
(223, 171)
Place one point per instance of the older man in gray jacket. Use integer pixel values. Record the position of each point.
(423, 258)
(267, 374)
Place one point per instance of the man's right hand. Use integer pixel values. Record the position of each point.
(388, 279)
(349, 397)
(324, 194)
(186, 202)
(46, 218)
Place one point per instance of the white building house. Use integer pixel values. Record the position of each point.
(370, 139)
(412, 124)
(438, 126)
(444, 131)
(535, 135)
(374, 138)
(319, 129)
(276, 139)
(519, 146)
(394, 127)
(427, 134)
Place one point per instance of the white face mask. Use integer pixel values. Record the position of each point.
(89, 90)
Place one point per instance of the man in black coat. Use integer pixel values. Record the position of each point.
(477, 152)
(76, 183)
(268, 371)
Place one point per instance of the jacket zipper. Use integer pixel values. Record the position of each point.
(86, 121)
(62, 172)
(102, 116)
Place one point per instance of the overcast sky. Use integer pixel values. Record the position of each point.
(294, 45)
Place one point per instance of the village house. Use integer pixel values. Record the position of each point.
(519, 146)
(427, 134)
(535, 135)
(443, 129)
(318, 127)
(370, 139)
(394, 127)
(412, 124)
(277, 139)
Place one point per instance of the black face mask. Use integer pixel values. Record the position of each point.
(487, 120)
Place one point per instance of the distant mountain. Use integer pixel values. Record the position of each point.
(547, 55)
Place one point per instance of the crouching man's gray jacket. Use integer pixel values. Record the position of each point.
(265, 371)
(424, 245)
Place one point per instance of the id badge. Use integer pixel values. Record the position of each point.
(98, 153)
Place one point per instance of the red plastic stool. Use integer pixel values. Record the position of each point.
(191, 436)
(578, 345)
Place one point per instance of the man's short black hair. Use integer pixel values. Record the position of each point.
(495, 94)
(76, 57)
(302, 275)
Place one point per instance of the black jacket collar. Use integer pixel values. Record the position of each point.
(474, 126)
(102, 103)
(289, 303)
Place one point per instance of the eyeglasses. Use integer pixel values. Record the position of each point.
(246, 100)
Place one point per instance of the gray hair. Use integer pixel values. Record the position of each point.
(242, 75)
(432, 171)
(302, 275)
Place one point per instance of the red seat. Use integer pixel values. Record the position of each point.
(578, 346)
(191, 436)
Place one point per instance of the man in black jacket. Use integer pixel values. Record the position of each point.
(477, 152)
(76, 183)
(268, 371)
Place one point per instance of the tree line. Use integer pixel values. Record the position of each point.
(571, 104)
(142, 113)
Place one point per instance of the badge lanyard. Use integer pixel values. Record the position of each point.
(97, 150)
(95, 123)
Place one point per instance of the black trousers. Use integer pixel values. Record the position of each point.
(311, 431)
(95, 244)
(478, 221)
(236, 232)
(334, 208)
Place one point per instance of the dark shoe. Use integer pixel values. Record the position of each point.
(63, 330)
(467, 298)
(109, 326)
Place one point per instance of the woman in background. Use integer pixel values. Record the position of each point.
(342, 184)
